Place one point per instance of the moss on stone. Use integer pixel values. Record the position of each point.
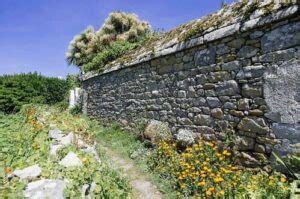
(229, 14)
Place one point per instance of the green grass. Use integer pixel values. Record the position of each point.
(128, 146)
(24, 142)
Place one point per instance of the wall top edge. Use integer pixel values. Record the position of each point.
(175, 45)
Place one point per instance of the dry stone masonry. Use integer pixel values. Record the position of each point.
(244, 75)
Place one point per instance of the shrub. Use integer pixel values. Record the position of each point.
(110, 53)
(121, 31)
(81, 49)
(204, 170)
(17, 90)
(113, 51)
(73, 81)
(122, 26)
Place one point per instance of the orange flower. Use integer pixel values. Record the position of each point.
(35, 146)
(8, 170)
(33, 122)
(84, 160)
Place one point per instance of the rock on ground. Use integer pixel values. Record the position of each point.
(54, 148)
(56, 134)
(29, 172)
(71, 160)
(41, 189)
(68, 139)
(185, 137)
(157, 131)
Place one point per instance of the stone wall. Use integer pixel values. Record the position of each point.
(245, 76)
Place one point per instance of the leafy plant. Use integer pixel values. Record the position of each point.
(291, 163)
(24, 142)
(76, 110)
(108, 54)
(204, 170)
(91, 49)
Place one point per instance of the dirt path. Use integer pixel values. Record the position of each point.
(142, 188)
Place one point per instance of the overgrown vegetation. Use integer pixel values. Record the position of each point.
(24, 142)
(202, 170)
(113, 51)
(129, 146)
(17, 90)
(121, 32)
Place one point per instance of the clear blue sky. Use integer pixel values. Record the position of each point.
(34, 34)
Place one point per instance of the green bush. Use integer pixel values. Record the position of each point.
(113, 51)
(121, 32)
(110, 53)
(20, 89)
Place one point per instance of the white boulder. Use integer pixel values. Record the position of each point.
(29, 172)
(71, 160)
(68, 139)
(41, 189)
(56, 134)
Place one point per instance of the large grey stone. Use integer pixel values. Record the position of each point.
(205, 57)
(157, 131)
(217, 113)
(253, 126)
(281, 38)
(253, 71)
(236, 43)
(281, 91)
(290, 132)
(247, 52)
(185, 137)
(280, 15)
(203, 120)
(256, 34)
(229, 105)
(227, 88)
(28, 172)
(233, 65)
(43, 189)
(222, 32)
(281, 55)
(71, 160)
(213, 102)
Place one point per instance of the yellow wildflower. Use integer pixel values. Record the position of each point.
(222, 193)
(202, 183)
(283, 179)
(208, 193)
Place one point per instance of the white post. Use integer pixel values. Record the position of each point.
(72, 99)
